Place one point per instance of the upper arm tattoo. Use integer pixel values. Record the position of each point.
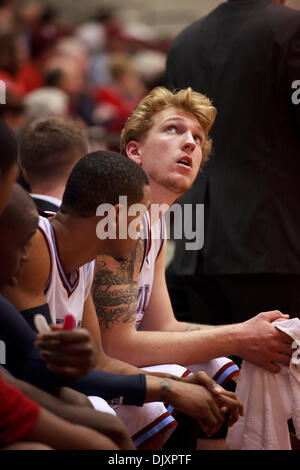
(115, 288)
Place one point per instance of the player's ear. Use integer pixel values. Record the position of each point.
(133, 151)
(120, 220)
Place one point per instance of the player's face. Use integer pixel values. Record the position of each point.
(7, 181)
(14, 246)
(171, 151)
(120, 249)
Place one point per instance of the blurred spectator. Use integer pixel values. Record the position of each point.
(97, 137)
(43, 46)
(95, 72)
(46, 101)
(73, 48)
(30, 14)
(10, 63)
(13, 112)
(93, 35)
(150, 66)
(124, 93)
(7, 15)
(66, 74)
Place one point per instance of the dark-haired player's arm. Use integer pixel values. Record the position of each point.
(28, 296)
(29, 292)
(105, 362)
(135, 389)
(79, 411)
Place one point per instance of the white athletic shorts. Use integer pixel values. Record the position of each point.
(151, 419)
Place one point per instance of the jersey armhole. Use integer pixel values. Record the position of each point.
(50, 255)
(162, 233)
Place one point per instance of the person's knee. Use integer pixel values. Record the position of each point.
(26, 446)
(73, 397)
(119, 432)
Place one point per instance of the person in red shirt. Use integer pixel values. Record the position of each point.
(18, 414)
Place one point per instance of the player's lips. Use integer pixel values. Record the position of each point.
(185, 161)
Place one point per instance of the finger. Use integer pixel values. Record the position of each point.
(229, 394)
(55, 327)
(282, 359)
(210, 424)
(234, 415)
(284, 338)
(215, 389)
(67, 336)
(224, 410)
(215, 410)
(283, 318)
(201, 378)
(58, 359)
(73, 348)
(233, 411)
(284, 348)
(271, 367)
(271, 316)
(233, 404)
(68, 372)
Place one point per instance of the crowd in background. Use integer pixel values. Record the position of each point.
(94, 72)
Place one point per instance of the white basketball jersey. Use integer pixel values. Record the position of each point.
(65, 293)
(154, 237)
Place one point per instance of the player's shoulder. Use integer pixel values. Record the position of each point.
(39, 257)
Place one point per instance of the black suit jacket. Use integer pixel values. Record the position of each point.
(245, 56)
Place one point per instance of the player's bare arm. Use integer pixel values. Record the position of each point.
(115, 288)
(77, 410)
(29, 292)
(198, 401)
(247, 340)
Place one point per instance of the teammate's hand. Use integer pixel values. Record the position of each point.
(201, 378)
(71, 353)
(262, 344)
(227, 401)
(198, 402)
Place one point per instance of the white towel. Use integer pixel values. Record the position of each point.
(269, 401)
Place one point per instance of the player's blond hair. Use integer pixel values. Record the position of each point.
(141, 120)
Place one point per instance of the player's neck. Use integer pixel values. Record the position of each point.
(54, 190)
(161, 200)
(72, 237)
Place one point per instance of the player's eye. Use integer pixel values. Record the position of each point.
(198, 139)
(171, 129)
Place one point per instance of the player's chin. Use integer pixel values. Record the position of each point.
(183, 182)
(13, 281)
(180, 187)
(15, 277)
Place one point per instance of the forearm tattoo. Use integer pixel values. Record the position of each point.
(193, 328)
(115, 288)
(165, 386)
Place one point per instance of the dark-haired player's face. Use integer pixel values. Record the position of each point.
(14, 249)
(120, 249)
(7, 181)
